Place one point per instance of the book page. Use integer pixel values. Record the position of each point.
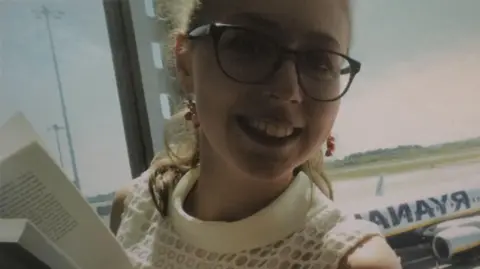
(33, 186)
(16, 133)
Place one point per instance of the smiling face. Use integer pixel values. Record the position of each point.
(256, 88)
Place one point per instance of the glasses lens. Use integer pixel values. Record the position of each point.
(246, 56)
(324, 75)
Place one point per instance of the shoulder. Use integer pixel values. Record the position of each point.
(364, 247)
(123, 197)
(371, 253)
(118, 206)
(348, 242)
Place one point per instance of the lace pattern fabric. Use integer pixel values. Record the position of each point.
(152, 243)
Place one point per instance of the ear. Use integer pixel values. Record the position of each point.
(183, 63)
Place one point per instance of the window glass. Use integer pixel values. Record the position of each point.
(33, 81)
(150, 39)
(407, 128)
(411, 117)
(408, 133)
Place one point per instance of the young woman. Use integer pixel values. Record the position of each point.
(241, 185)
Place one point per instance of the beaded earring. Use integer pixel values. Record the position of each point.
(191, 114)
(330, 146)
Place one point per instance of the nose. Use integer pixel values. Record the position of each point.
(285, 86)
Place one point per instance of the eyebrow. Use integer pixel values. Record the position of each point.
(257, 20)
(323, 38)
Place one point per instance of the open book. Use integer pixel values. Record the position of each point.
(22, 245)
(34, 187)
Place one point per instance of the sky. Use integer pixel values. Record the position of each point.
(418, 85)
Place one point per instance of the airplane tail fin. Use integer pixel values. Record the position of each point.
(380, 187)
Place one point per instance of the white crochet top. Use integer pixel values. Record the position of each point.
(300, 229)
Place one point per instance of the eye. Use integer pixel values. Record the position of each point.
(245, 43)
(320, 64)
(319, 61)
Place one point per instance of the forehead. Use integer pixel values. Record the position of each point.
(323, 20)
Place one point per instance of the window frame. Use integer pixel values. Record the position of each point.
(129, 84)
(132, 28)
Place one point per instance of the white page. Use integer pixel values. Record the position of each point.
(33, 186)
(16, 133)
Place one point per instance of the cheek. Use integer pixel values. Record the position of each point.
(215, 94)
(321, 120)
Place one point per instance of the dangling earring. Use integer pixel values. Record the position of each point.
(330, 146)
(191, 114)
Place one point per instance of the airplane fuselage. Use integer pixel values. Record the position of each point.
(410, 216)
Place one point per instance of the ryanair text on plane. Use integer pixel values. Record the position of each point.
(412, 215)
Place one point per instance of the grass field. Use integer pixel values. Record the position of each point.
(402, 166)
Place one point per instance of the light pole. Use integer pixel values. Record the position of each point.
(56, 128)
(47, 14)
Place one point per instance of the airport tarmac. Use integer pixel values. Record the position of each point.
(411, 185)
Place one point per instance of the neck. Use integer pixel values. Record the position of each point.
(225, 193)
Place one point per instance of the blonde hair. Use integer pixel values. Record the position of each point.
(181, 139)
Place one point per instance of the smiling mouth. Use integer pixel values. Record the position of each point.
(267, 133)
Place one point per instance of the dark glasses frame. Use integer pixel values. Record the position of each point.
(216, 30)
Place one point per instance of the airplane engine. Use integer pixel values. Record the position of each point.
(455, 241)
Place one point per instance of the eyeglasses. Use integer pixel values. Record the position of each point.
(250, 57)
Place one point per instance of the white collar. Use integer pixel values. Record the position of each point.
(284, 216)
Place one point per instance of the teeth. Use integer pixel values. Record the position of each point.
(271, 129)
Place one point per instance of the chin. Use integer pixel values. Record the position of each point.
(257, 158)
(265, 169)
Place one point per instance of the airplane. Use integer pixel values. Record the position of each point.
(448, 221)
